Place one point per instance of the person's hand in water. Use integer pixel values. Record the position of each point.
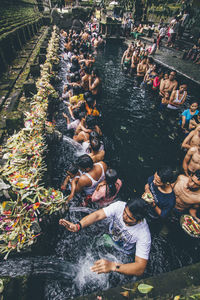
(70, 226)
(103, 266)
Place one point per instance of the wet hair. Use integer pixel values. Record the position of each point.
(85, 161)
(111, 178)
(90, 101)
(197, 174)
(137, 207)
(150, 59)
(81, 115)
(72, 169)
(74, 61)
(71, 77)
(90, 121)
(194, 101)
(160, 71)
(83, 64)
(166, 174)
(96, 72)
(95, 144)
(76, 112)
(94, 135)
(87, 70)
(76, 90)
(87, 95)
(77, 78)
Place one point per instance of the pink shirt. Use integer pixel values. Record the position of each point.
(100, 195)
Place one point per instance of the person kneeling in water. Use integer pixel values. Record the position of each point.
(108, 189)
(128, 230)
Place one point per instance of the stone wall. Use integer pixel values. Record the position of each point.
(20, 20)
(65, 19)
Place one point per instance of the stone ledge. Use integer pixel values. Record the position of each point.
(165, 286)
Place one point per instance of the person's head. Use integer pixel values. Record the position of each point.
(111, 176)
(154, 67)
(87, 71)
(193, 183)
(71, 77)
(90, 121)
(95, 72)
(144, 61)
(76, 90)
(160, 73)
(194, 105)
(90, 101)
(72, 170)
(172, 75)
(74, 61)
(183, 87)
(76, 113)
(77, 78)
(134, 211)
(95, 144)
(166, 76)
(94, 135)
(85, 163)
(163, 176)
(150, 60)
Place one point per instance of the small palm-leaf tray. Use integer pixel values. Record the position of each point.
(190, 226)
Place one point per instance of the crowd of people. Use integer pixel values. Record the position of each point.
(98, 184)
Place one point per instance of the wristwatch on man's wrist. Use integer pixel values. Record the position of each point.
(117, 267)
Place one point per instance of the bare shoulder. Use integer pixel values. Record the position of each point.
(181, 178)
(84, 180)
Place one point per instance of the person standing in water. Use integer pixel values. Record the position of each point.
(129, 232)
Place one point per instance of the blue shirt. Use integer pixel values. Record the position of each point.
(165, 202)
(188, 115)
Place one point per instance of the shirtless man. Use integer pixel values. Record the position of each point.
(85, 36)
(193, 139)
(187, 191)
(92, 175)
(94, 82)
(142, 67)
(85, 79)
(134, 61)
(191, 162)
(169, 85)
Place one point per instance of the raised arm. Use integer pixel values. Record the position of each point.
(85, 222)
(186, 142)
(187, 160)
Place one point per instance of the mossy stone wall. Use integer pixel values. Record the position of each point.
(20, 20)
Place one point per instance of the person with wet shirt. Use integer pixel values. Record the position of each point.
(188, 114)
(160, 190)
(129, 232)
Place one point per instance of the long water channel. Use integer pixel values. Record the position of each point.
(138, 138)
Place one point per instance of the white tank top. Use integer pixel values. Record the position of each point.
(89, 190)
(177, 100)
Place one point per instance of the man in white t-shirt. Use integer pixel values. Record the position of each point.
(128, 230)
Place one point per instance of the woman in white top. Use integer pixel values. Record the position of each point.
(178, 97)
